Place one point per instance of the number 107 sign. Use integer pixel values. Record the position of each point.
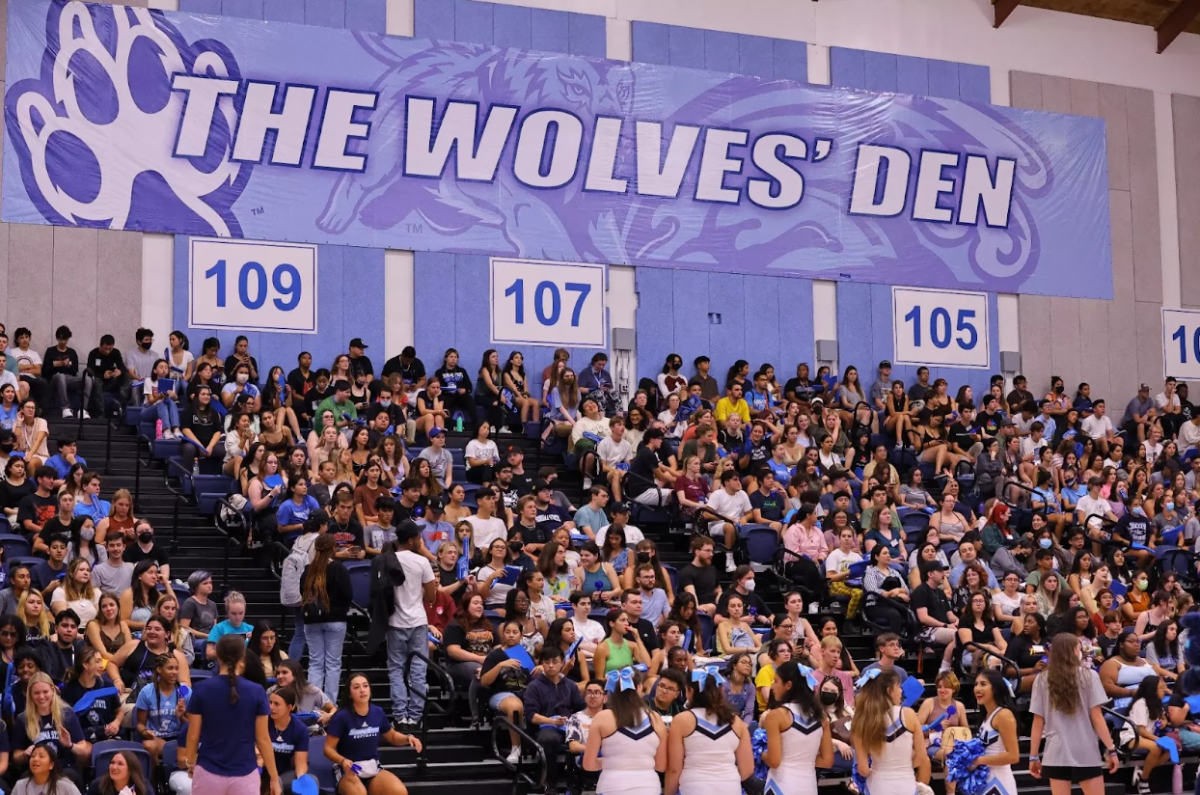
(548, 303)
(940, 327)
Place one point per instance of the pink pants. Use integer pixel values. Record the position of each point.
(206, 783)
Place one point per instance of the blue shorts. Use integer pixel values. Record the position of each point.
(494, 701)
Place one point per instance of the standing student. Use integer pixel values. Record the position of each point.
(998, 732)
(1066, 710)
(798, 734)
(627, 742)
(326, 593)
(227, 721)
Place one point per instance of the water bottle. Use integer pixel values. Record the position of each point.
(195, 468)
(1177, 779)
(158, 429)
(458, 423)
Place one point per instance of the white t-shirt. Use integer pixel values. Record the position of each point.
(410, 599)
(840, 561)
(1160, 400)
(613, 453)
(589, 630)
(633, 536)
(733, 506)
(8, 378)
(1088, 506)
(1153, 451)
(482, 450)
(1189, 434)
(485, 531)
(1097, 427)
(24, 357)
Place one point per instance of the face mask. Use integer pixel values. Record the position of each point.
(243, 378)
(1045, 543)
(1138, 511)
(643, 557)
(749, 586)
(87, 535)
(516, 546)
(1058, 390)
(828, 698)
(145, 537)
(1143, 585)
(1170, 506)
(385, 403)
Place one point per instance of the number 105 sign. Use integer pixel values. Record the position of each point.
(238, 284)
(940, 327)
(548, 303)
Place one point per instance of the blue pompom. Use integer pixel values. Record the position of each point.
(856, 777)
(758, 743)
(958, 767)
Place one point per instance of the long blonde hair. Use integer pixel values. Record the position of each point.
(180, 634)
(873, 712)
(73, 590)
(43, 623)
(33, 723)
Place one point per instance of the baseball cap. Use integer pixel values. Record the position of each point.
(512, 448)
(314, 521)
(1144, 388)
(1007, 423)
(407, 530)
(436, 505)
(435, 432)
(885, 364)
(358, 343)
(817, 400)
(618, 507)
(540, 485)
(935, 565)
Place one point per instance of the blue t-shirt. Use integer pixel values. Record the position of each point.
(358, 735)
(287, 742)
(62, 466)
(291, 513)
(160, 710)
(227, 730)
(8, 417)
(47, 732)
(225, 628)
(99, 509)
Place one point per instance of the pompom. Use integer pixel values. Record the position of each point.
(958, 767)
(856, 778)
(758, 743)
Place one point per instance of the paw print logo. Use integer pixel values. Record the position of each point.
(94, 133)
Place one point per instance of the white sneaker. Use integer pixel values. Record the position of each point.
(587, 483)
(169, 434)
(87, 416)
(67, 413)
(730, 564)
(514, 756)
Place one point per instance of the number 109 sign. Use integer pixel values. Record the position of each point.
(239, 284)
(548, 303)
(940, 327)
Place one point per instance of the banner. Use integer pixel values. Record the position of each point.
(126, 118)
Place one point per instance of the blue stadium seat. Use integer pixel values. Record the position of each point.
(360, 582)
(318, 765)
(103, 752)
(15, 546)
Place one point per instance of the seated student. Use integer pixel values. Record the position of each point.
(59, 653)
(46, 776)
(66, 457)
(384, 528)
(47, 721)
(144, 548)
(289, 738)
(234, 623)
(549, 700)
(45, 574)
(162, 708)
(295, 510)
(124, 776)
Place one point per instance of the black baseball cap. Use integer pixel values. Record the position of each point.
(358, 343)
(436, 505)
(407, 530)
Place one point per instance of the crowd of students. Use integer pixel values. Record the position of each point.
(1035, 519)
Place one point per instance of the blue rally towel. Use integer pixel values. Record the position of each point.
(519, 654)
(912, 690)
(89, 698)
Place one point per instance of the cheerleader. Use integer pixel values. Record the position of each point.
(998, 732)
(798, 735)
(627, 742)
(883, 732)
(708, 751)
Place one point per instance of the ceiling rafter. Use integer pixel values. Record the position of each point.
(1176, 22)
(1003, 8)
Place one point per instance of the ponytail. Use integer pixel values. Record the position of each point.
(231, 650)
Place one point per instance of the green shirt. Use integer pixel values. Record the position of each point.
(338, 409)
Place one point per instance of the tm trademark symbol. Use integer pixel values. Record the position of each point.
(415, 229)
(257, 211)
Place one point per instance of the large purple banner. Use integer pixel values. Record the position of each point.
(125, 118)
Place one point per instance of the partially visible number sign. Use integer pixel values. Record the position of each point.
(1181, 342)
(548, 303)
(237, 284)
(940, 327)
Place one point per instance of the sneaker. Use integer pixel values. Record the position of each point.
(67, 414)
(87, 416)
(587, 483)
(504, 429)
(730, 563)
(514, 756)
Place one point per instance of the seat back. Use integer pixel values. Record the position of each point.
(761, 543)
(15, 547)
(103, 752)
(360, 582)
(318, 765)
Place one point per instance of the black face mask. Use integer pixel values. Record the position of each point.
(145, 537)
(829, 698)
(1058, 390)
(643, 557)
(516, 546)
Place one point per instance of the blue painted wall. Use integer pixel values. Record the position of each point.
(350, 299)
(763, 318)
(864, 311)
(450, 292)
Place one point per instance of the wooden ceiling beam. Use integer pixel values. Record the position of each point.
(1003, 9)
(1182, 15)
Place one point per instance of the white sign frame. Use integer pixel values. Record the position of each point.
(204, 311)
(954, 302)
(592, 307)
(1171, 367)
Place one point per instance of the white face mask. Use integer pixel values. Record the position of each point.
(243, 378)
(749, 586)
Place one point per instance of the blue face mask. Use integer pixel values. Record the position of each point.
(1045, 543)
(1170, 506)
(1138, 511)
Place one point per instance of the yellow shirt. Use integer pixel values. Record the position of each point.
(765, 678)
(725, 407)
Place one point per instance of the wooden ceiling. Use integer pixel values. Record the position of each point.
(1168, 17)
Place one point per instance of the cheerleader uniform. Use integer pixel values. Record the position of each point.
(628, 761)
(892, 772)
(710, 762)
(797, 772)
(1001, 777)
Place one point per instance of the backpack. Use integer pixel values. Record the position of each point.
(292, 571)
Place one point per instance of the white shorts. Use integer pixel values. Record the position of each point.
(653, 497)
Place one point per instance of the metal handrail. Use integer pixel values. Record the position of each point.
(229, 540)
(447, 685)
(535, 784)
